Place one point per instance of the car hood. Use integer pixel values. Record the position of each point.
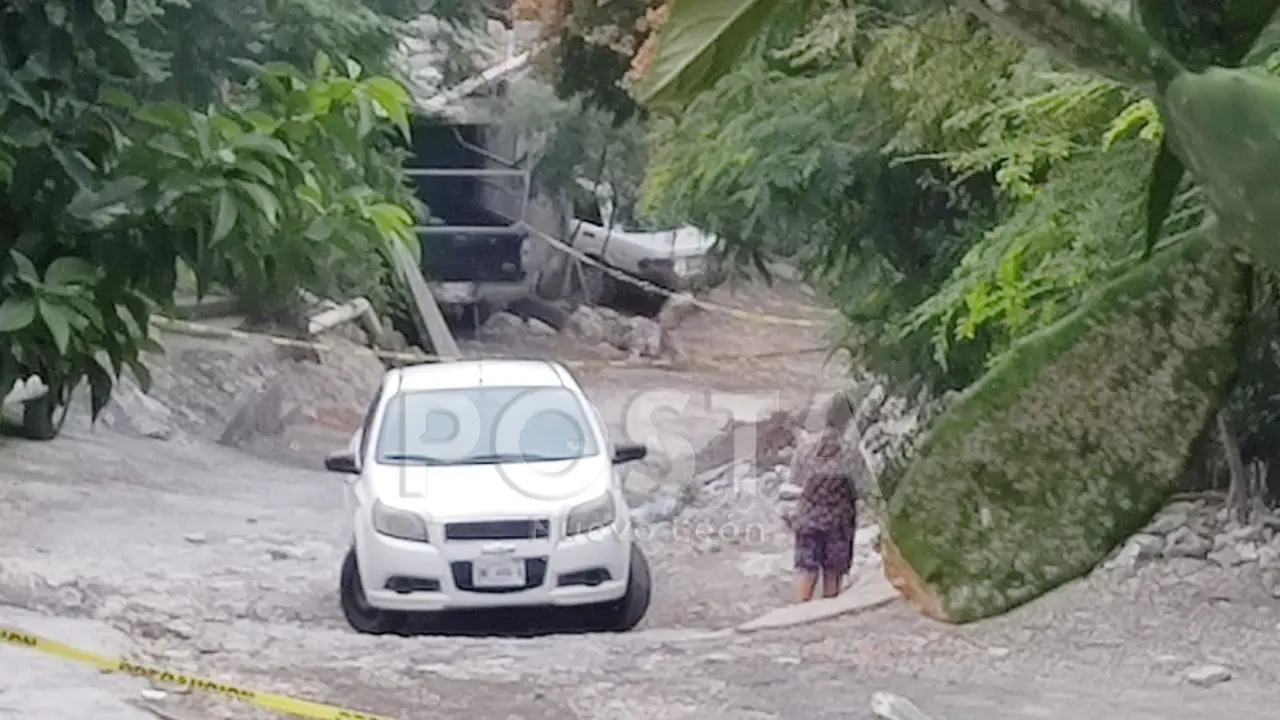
(687, 241)
(496, 491)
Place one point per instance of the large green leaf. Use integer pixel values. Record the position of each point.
(699, 44)
(1090, 33)
(16, 313)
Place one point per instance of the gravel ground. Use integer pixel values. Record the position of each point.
(210, 559)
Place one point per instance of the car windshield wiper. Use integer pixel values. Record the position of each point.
(411, 458)
(514, 458)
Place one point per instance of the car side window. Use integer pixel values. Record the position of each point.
(367, 426)
(587, 210)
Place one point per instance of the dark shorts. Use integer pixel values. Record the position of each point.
(827, 551)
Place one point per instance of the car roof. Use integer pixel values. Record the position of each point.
(460, 374)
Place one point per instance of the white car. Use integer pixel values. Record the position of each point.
(678, 259)
(487, 484)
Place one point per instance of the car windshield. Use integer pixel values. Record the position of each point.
(485, 426)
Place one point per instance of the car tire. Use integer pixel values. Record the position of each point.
(539, 309)
(360, 616)
(43, 417)
(625, 613)
(598, 286)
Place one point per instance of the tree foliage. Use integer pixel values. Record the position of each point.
(137, 134)
(1046, 168)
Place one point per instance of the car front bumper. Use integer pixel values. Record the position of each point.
(664, 274)
(559, 571)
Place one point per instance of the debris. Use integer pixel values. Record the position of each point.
(895, 707)
(789, 491)
(1207, 675)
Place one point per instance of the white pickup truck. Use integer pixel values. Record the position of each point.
(676, 259)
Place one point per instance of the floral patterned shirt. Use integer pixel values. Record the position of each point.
(824, 467)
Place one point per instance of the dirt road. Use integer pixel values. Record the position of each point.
(211, 560)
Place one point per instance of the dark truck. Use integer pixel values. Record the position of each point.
(472, 256)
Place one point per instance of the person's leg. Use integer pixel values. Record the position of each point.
(808, 565)
(838, 560)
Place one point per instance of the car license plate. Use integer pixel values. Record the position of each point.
(497, 573)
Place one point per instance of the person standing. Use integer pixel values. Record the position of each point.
(825, 520)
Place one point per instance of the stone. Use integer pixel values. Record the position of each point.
(392, 340)
(998, 504)
(655, 511)
(1184, 543)
(538, 327)
(195, 538)
(1166, 522)
(503, 322)
(789, 491)
(588, 323)
(676, 310)
(644, 337)
(1147, 546)
(1207, 675)
(1227, 557)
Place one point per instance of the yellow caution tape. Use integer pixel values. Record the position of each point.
(619, 275)
(270, 701)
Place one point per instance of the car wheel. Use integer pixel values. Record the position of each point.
(598, 287)
(537, 308)
(43, 418)
(362, 617)
(625, 613)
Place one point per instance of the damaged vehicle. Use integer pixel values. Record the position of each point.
(472, 256)
(678, 259)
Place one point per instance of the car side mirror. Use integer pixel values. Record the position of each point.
(629, 453)
(342, 462)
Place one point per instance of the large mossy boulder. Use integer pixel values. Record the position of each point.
(1070, 444)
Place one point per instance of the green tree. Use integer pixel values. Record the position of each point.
(104, 185)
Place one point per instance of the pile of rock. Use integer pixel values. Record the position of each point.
(615, 333)
(634, 335)
(1199, 529)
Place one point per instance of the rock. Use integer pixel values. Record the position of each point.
(1166, 522)
(888, 706)
(1000, 481)
(1271, 582)
(676, 310)
(655, 511)
(1207, 675)
(644, 337)
(1269, 556)
(789, 491)
(588, 323)
(1250, 534)
(539, 327)
(998, 652)
(1184, 543)
(1147, 546)
(392, 340)
(258, 415)
(1226, 557)
(195, 538)
(501, 323)
(131, 412)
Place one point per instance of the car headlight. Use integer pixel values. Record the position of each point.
(399, 524)
(591, 515)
